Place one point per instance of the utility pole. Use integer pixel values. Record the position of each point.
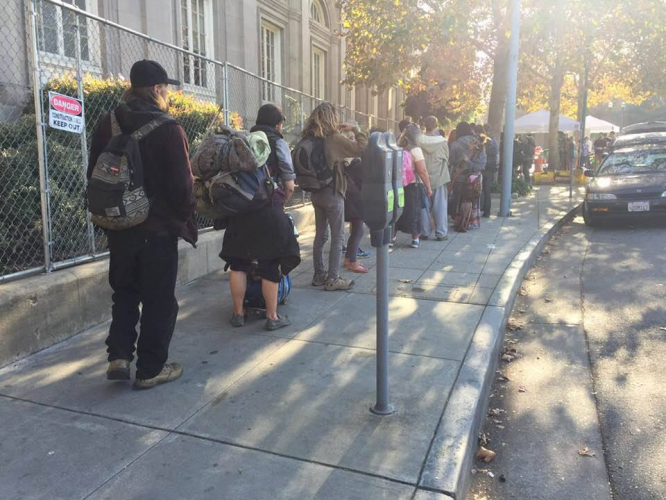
(510, 116)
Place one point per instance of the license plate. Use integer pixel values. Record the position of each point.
(639, 206)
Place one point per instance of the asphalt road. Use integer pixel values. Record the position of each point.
(624, 314)
(602, 288)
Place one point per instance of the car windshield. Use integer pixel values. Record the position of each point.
(634, 161)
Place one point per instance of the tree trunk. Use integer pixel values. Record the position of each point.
(554, 124)
(498, 93)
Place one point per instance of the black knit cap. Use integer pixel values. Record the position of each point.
(270, 115)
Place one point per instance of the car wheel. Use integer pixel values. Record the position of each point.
(589, 219)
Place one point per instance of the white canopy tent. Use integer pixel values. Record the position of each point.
(596, 126)
(537, 123)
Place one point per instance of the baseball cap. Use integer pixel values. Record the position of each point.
(146, 73)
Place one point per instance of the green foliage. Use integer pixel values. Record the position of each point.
(21, 244)
(518, 185)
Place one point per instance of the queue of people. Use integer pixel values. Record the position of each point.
(142, 191)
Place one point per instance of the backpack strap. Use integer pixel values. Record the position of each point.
(146, 129)
(115, 126)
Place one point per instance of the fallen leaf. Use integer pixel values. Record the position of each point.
(522, 292)
(405, 281)
(502, 478)
(547, 299)
(545, 252)
(499, 426)
(485, 455)
(484, 439)
(522, 388)
(503, 378)
(496, 411)
(586, 452)
(513, 326)
(539, 258)
(507, 358)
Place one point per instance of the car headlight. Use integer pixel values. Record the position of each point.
(601, 196)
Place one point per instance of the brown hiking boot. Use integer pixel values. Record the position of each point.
(338, 284)
(169, 373)
(119, 369)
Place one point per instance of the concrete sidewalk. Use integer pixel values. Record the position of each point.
(283, 416)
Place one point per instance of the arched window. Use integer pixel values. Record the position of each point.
(318, 13)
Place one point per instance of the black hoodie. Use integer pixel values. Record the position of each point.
(166, 163)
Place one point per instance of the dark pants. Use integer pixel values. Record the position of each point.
(356, 232)
(142, 270)
(486, 197)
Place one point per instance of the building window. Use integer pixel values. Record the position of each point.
(271, 59)
(195, 15)
(57, 30)
(318, 73)
(317, 12)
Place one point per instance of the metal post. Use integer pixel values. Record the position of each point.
(382, 407)
(84, 135)
(509, 134)
(582, 127)
(300, 112)
(225, 94)
(39, 127)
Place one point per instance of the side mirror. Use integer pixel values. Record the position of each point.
(589, 173)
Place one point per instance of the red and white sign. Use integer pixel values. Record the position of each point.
(65, 113)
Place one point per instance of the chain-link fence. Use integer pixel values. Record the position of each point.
(55, 46)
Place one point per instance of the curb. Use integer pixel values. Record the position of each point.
(452, 456)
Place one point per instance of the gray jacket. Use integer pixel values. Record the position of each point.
(473, 162)
(436, 154)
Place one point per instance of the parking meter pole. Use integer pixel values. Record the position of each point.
(381, 205)
(382, 406)
(509, 131)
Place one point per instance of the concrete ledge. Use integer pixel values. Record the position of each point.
(452, 456)
(40, 311)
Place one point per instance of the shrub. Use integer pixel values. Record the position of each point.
(20, 208)
(518, 185)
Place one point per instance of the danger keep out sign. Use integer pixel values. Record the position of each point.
(65, 113)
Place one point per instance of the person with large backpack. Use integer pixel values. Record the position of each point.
(270, 120)
(261, 241)
(319, 160)
(140, 191)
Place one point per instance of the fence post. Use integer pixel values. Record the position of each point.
(84, 135)
(225, 94)
(44, 189)
(301, 112)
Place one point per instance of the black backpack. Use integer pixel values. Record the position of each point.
(115, 195)
(310, 165)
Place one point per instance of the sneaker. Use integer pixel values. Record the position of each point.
(392, 242)
(355, 267)
(169, 373)
(276, 324)
(443, 238)
(119, 369)
(319, 280)
(416, 243)
(361, 254)
(338, 284)
(425, 238)
(344, 249)
(237, 320)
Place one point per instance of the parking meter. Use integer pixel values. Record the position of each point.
(379, 207)
(378, 192)
(398, 189)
